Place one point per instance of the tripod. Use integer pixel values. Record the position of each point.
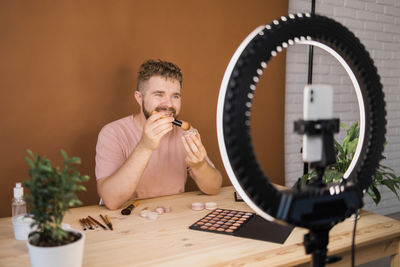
(316, 241)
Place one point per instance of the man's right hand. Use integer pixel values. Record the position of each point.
(156, 126)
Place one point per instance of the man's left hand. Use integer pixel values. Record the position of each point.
(196, 154)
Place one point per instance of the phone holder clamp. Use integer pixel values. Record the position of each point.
(325, 128)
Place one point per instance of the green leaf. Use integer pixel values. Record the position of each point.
(354, 130)
(339, 149)
(30, 162)
(75, 160)
(386, 168)
(389, 175)
(378, 177)
(332, 176)
(351, 146)
(85, 178)
(64, 154)
(30, 153)
(375, 194)
(45, 168)
(343, 125)
(391, 185)
(74, 202)
(80, 188)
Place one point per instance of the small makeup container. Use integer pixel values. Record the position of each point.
(159, 210)
(197, 206)
(152, 216)
(191, 131)
(144, 213)
(167, 209)
(211, 205)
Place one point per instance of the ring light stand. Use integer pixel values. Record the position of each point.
(317, 208)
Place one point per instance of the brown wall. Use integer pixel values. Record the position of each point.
(69, 67)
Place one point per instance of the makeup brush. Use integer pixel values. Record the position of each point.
(128, 209)
(88, 223)
(109, 224)
(96, 221)
(183, 124)
(107, 221)
(94, 225)
(83, 224)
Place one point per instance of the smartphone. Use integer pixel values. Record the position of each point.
(317, 105)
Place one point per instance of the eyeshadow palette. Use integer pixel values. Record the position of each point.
(242, 224)
(222, 220)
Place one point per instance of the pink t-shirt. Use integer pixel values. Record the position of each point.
(166, 171)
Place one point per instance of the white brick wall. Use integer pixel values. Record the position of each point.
(377, 24)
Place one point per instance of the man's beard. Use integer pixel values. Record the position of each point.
(147, 113)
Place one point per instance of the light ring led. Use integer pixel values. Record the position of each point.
(237, 92)
(360, 100)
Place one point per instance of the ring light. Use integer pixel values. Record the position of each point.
(308, 207)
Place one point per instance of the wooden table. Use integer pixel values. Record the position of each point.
(168, 241)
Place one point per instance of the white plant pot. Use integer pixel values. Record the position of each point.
(70, 255)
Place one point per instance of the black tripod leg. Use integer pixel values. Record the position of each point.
(316, 242)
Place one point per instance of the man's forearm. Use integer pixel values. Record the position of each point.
(207, 178)
(119, 187)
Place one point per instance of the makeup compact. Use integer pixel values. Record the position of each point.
(242, 224)
(197, 206)
(211, 205)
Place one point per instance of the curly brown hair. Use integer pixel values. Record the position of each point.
(161, 68)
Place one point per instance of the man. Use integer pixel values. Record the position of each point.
(145, 155)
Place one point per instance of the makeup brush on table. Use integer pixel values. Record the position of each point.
(98, 223)
(109, 224)
(129, 209)
(107, 221)
(83, 224)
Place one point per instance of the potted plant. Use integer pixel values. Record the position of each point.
(52, 191)
(344, 154)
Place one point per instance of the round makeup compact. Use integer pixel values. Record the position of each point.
(191, 131)
(167, 209)
(197, 206)
(211, 205)
(159, 210)
(152, 216)
(144, 213)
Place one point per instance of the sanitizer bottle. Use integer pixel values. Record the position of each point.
(21, 222)
(18, 202)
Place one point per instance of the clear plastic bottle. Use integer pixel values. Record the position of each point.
(18, 202)
(21, 222)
